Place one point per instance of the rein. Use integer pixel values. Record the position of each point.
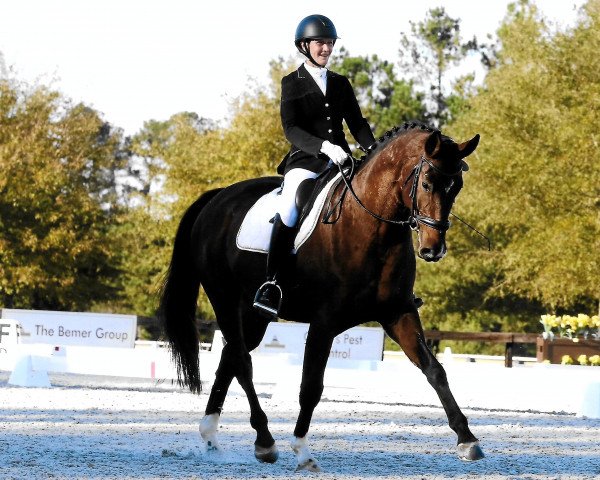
(415, 218)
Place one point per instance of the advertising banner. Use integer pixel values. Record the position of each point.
(358, 343)
(74, 328)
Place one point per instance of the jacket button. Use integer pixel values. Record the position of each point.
(330, 130)
(328, 118)
(326, 104)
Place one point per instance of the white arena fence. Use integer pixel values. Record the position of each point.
(357, 364)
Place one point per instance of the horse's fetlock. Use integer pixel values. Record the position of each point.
(259, 422)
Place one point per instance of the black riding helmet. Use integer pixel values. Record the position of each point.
(311, 28)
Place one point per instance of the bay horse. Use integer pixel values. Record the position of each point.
(359, 268)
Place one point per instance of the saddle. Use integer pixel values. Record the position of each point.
(255, 231)
(309, 189)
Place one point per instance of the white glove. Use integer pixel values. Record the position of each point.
(336, 153)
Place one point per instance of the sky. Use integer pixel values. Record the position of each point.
(137, 60)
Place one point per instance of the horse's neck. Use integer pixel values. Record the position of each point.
(380, 187)
(380, 192)
(369, 246)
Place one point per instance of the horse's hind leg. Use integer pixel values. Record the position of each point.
(408, 333)
(236, 362)
(265, 449)
(210, 423)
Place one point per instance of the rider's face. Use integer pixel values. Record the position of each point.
(320, 50)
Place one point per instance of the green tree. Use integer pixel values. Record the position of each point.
(187, 156)
(58, 200)
(251, 145)
(145, 235)
(141, 228)
(534, 183)
(148, 224)
(433, 47)
(385, 100)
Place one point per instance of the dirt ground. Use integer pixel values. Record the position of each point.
(103, 428)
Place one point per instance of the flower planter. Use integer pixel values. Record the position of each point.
(553, 350)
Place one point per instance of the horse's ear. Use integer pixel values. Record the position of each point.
(468, 147)
(433, 144)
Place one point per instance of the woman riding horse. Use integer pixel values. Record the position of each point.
(407, 183)
(314, 101)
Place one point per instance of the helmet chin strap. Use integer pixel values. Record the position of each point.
(304, 50)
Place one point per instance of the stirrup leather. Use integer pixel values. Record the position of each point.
(259, 293)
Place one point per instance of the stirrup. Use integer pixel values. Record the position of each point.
(266, 308)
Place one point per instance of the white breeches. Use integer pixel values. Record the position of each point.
(287, 200)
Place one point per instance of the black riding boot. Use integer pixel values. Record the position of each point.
(269, 296)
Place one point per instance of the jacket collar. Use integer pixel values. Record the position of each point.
(303, 74)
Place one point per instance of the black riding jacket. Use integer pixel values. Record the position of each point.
(308, 118)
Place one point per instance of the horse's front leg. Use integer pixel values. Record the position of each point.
(316, 354)
(408, 333)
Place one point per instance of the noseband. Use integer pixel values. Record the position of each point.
(415, 218)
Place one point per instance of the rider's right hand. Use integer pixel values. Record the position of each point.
(336, 153)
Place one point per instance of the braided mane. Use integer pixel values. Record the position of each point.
(388, 136)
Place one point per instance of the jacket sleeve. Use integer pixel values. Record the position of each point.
(291, 113)
(358, 125)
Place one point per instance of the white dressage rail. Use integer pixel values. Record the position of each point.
(531, 386)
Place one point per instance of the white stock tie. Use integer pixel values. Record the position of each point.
(320, 76)
(322, 80)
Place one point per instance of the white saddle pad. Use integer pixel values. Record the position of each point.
(255, 232)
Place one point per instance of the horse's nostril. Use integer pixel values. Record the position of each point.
(426, 253)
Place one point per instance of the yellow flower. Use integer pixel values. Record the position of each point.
(594, 360)
(566, 360)
(571, 325)
(583, 321)
(582, 359)
(548, 321)
(569, 321)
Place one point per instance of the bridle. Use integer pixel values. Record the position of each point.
(415, 218)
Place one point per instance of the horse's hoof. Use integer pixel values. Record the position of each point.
(309, 465)
(470, 451)
(266, 454)
(213, 447)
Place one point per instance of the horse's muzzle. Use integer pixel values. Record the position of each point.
(433, 254)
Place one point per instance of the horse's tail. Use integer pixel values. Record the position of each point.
(179, 294)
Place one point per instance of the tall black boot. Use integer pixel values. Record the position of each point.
(269, 296)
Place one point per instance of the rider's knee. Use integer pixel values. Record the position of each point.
(288, 214)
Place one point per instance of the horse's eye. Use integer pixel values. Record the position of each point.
(426, 186)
